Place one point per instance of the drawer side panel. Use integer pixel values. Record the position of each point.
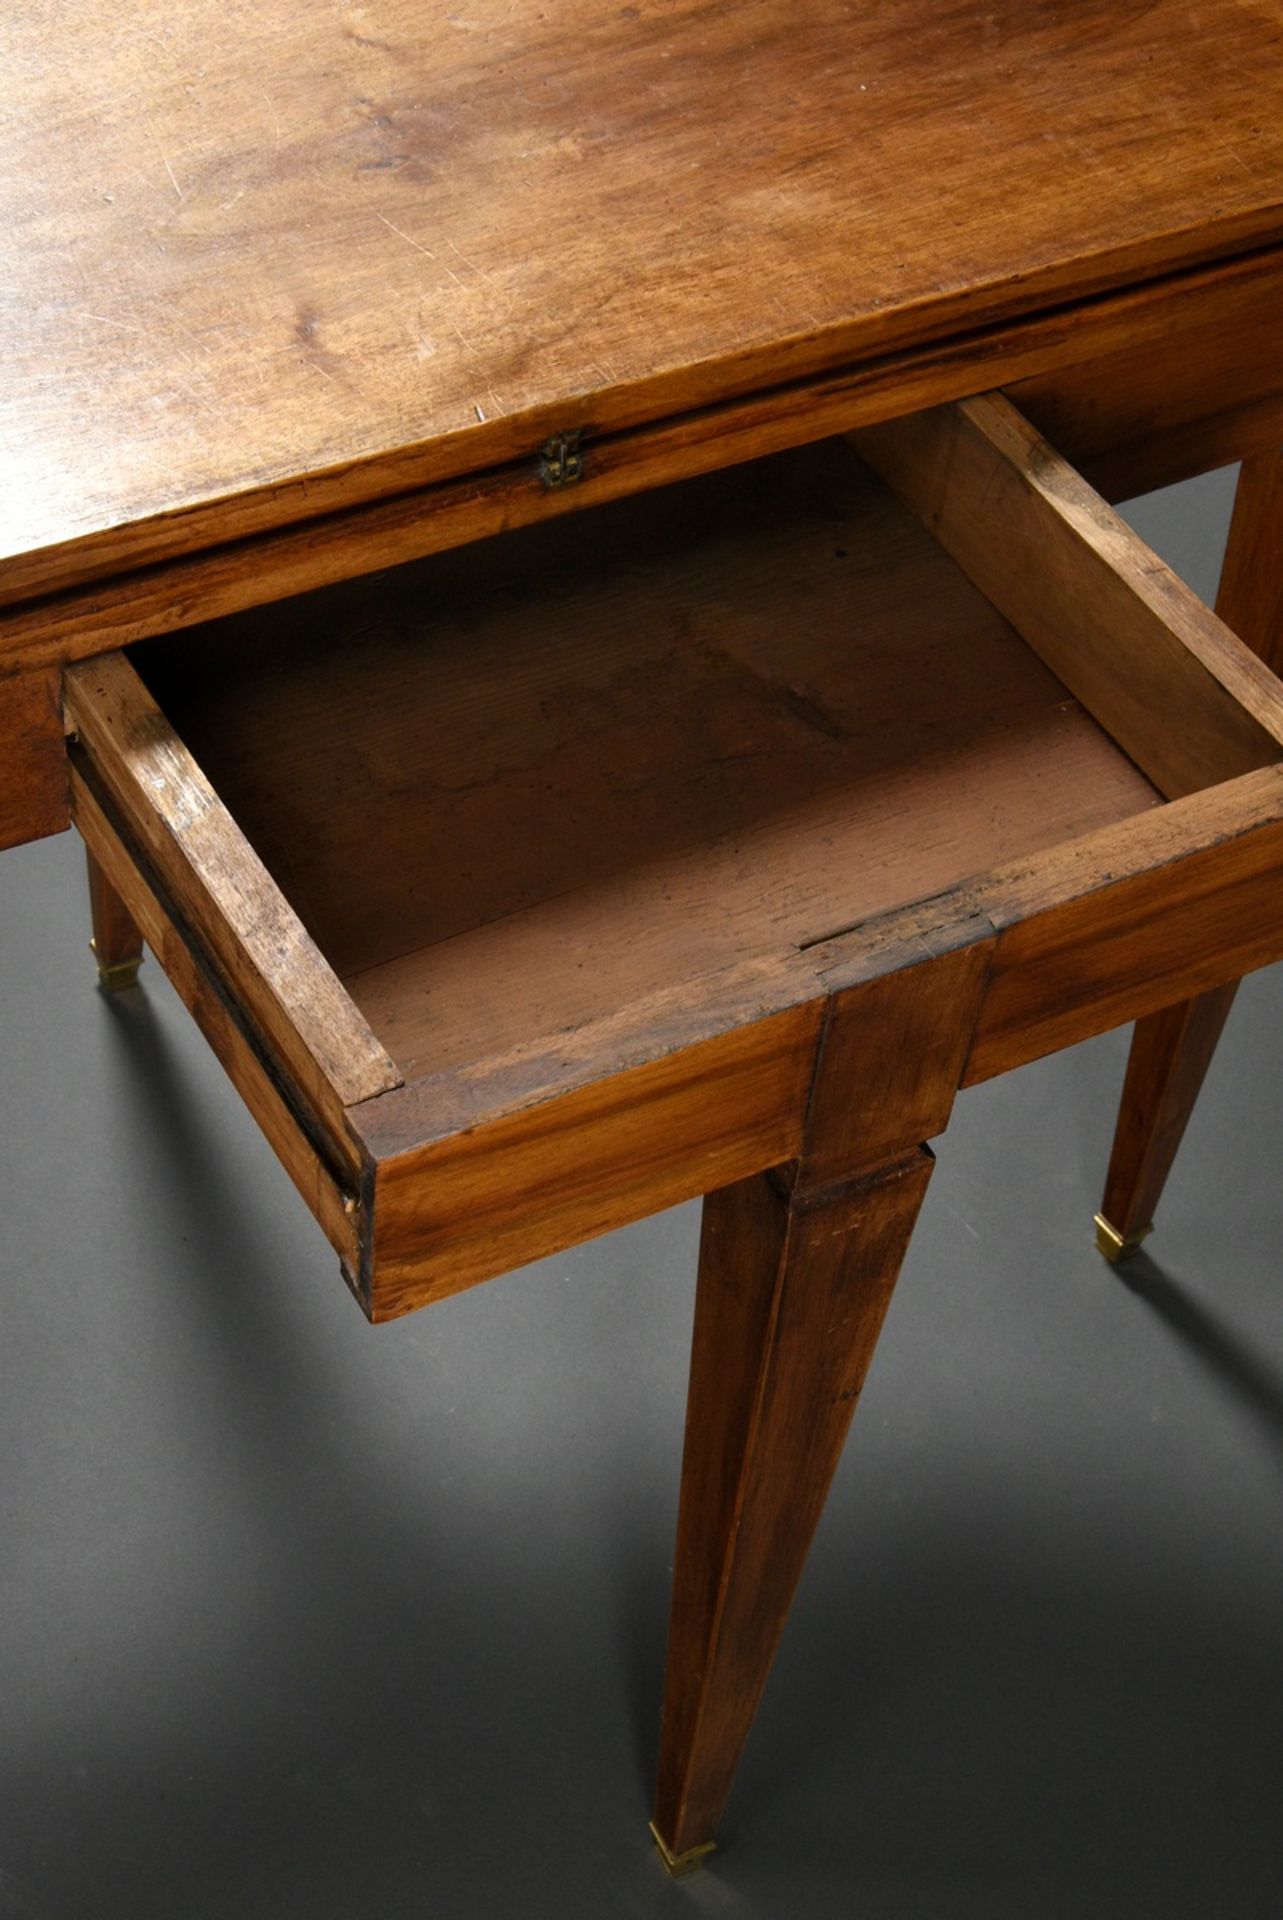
(333, 1205)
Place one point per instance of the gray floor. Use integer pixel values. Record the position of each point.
(305, 1620)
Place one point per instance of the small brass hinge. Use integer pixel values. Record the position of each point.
(561, 460)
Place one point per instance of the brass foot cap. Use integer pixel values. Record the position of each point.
(114, 979)
(680, 1863)
(1112, 1243)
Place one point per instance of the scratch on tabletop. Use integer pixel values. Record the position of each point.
(426, 251)
(196, 396)
(276, 119)
(467, 346)
(467, 263)
(463, 340)
(165, 158)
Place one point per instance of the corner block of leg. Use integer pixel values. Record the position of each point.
(115, 975)
(678, 1865)
(1115, 1246)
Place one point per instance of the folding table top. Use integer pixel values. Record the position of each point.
(248, 243)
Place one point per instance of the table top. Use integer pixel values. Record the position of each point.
(267, 259)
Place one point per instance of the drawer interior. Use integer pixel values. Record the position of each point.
(516, 788)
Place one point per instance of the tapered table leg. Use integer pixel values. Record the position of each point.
(1250, 598)
(117, 944)
(1171, 1050)
(796, 1271)
(792, 1293)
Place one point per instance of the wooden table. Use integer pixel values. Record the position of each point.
(848, 751)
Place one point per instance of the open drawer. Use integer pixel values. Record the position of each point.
(512, 886)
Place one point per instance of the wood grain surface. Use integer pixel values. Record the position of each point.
(893, 1050)
(1100, 930)
(1212, 332)
(264, 261)
(1130, 920)
(491, 1191)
